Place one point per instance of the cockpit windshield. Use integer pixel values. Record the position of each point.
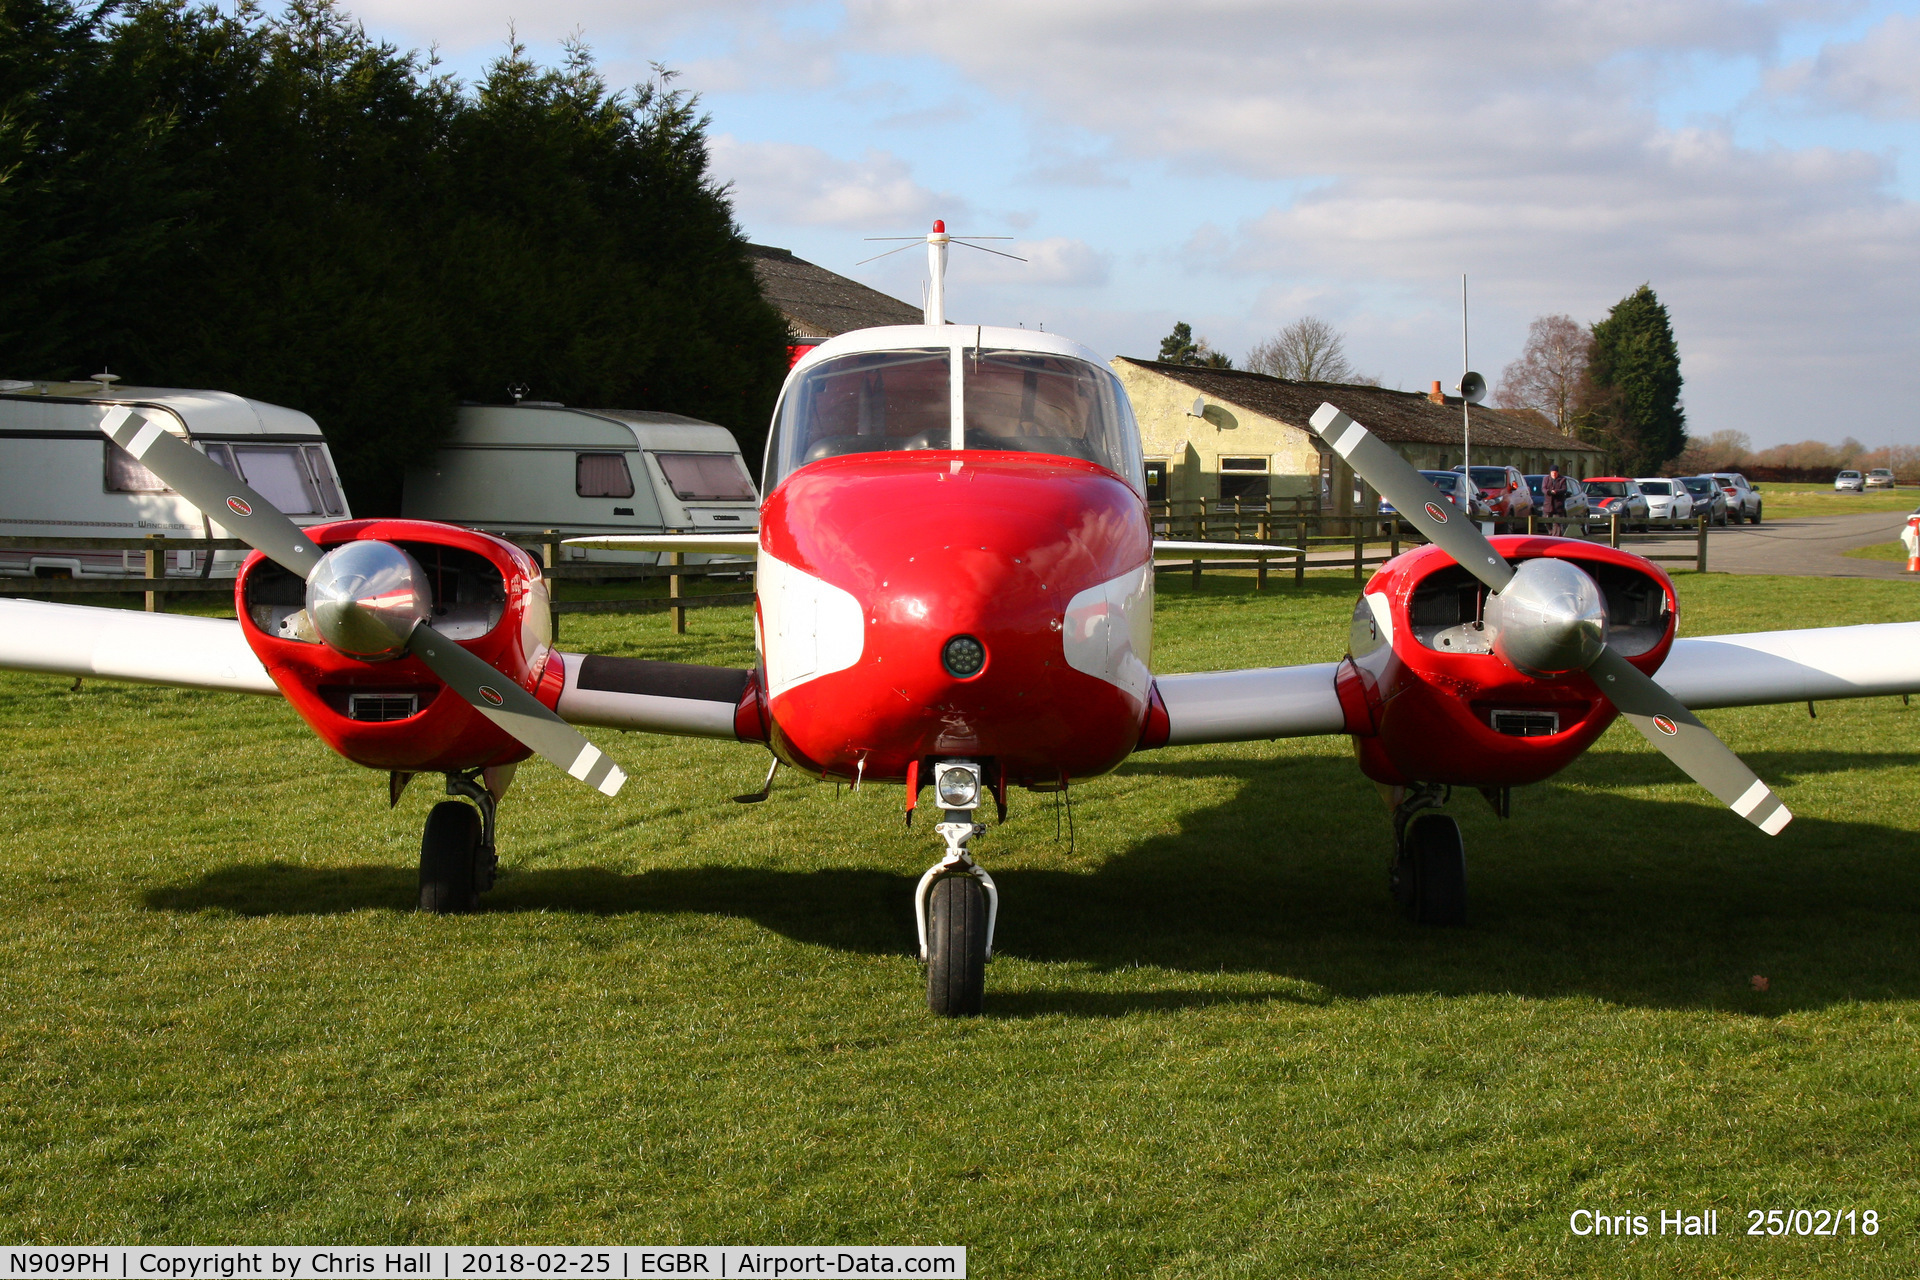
(1035, 403)
(1011, 401)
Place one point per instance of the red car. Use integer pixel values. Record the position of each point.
(1506, 493)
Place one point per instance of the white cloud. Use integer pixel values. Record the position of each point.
(1519, 141)
(1876, 75)
(794, 184)
(1056, 260)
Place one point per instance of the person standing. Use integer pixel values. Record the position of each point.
(1554, 494)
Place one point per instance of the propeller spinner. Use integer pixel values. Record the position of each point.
(367, 600)
(1549, 618)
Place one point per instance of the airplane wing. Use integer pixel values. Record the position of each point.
(210, 653)
(1218, 550)
(119, 644)
(1819, 664)
(737, 544)
(653, 697)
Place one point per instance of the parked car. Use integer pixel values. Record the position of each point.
(1618, 494)
(519, 469)
(1743, 500)
(1579, 506)
(1668, 501)
(1879, 478)
(59, 477)
(1707, 497)
(1849, 482)
(1448, 483)
(1506, 494)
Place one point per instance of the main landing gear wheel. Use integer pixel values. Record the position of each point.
(956, 946)
(1429, 873)
(450, 860)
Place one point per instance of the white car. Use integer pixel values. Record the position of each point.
(1668, 501)
(1849, 482)
(1879, 478)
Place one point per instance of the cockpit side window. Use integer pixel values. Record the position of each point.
(864, 404)
(1035, 403)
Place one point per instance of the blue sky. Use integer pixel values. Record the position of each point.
(1238, 165)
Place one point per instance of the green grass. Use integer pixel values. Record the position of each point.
(1211, 1048)
(1783, 500)
(1880, 551)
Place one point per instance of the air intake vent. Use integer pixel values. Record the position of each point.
(382, 706)
(1526, 724)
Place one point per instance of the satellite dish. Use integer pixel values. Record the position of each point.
(1473, 387)
(1199, 408)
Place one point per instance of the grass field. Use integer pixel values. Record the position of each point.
(1211, 1048)
(1879, 551)
(1783, 500)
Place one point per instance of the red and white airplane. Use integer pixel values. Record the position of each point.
(955, 581)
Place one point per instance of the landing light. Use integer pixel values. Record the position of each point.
(958, 786)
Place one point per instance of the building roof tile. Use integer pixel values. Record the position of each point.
(1398, 417)
(819, 304)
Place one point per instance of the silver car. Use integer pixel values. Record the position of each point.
(1879, 478)
(1668, 501)
(1743, 500)
(1849, 482)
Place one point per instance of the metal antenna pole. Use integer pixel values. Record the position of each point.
(1466, 417)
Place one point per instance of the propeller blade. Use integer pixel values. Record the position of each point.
(1413, 496)
(212, 488)
(515, 710)
(1688, 743)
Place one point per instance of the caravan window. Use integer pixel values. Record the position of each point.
(602, 475)
(707, 477)
(126, 475)
(279, 475)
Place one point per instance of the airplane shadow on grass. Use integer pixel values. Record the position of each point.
(1657, 903)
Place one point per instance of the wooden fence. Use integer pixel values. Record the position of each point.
(1324, 541)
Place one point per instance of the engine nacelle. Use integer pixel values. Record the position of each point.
(1445, 683)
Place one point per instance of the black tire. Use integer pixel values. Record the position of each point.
(956, 947)
(1756, 515)
(449, 854)
(1429, 878)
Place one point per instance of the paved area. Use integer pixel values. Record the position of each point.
(1805, 546)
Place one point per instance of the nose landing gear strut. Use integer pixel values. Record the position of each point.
(956, 904)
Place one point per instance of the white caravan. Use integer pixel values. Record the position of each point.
(522, 469)
(61, 478)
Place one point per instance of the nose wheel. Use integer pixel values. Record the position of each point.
(457, 859)
(956, 906)
(1428, 875)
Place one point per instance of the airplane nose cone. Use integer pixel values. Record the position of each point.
(1550, 619)
(365, 598)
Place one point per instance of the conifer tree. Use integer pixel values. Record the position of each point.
(1633, 398)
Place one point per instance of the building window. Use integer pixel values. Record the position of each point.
(1243, 479)
(1326, 479)
(602, 475)
(1156, 480)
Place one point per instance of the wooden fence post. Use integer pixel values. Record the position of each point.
(1359, 547)
(1199, 535)
(1700, 548)
(549, 557)
(1300, 556)
(156, 563)
(677, 612)
(1613, 530)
